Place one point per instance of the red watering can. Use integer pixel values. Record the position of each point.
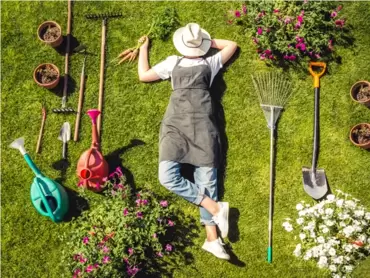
(92, 167)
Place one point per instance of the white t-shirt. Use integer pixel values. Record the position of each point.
(164, 68)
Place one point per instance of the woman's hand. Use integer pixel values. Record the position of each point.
(144, 41)
(213, 44)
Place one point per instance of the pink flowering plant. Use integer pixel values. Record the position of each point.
(287, 32)
(122, 234)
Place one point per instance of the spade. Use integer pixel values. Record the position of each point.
(65, 136)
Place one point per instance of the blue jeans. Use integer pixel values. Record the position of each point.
(205, 179)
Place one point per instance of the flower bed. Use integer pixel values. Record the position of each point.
(120, 235)
(286, 32)
(334, 233)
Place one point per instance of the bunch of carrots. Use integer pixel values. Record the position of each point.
(163, 24)
(129, 54)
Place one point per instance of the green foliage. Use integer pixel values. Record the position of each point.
(120, 234)
(286, 32)
(163, 24)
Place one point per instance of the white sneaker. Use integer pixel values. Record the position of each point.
(222, 218)
(216, 248)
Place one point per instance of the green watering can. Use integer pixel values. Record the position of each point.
(47, 196)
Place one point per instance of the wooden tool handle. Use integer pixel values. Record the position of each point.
(66, 62)
(102, 65)
(79, 109)
(41, 130)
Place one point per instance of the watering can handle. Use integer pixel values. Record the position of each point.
(43, 199)
(317, 75)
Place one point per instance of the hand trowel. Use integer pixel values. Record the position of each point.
(65, 136)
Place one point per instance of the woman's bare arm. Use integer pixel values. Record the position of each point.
(227, 48)
(146, 74)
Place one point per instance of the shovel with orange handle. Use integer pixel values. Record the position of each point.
(314, 179)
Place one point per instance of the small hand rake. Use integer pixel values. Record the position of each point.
(273, 91)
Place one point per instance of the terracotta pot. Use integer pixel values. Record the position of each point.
(42, 29)
(354, 91)
(353, 139)
(50, 85)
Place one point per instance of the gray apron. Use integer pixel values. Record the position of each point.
(188, 133)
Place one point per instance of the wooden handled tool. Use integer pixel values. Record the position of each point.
(80, 101)
(41, 130)
(104, 18)
(102, 65)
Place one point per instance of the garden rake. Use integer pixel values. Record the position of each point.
(104, 17)
(273, 91)
(65, 109)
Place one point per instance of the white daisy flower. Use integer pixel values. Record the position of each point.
(332, 268)
(299, 206)
(332, 252)
(339, 203)
(300, 221)
(321, 239)
(297, 251)
(330, 197)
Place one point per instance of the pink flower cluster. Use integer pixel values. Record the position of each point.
(300, 43)
(163, 203)
(117, 172)
(168, 247)
(141, 202)
(267, 54)
(299, 20)
(132, 271)
(290, 57)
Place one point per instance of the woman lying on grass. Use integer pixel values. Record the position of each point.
(188, 133)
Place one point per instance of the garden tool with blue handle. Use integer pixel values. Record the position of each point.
(314, 179)
(47, 196)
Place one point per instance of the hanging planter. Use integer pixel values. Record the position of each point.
(47, 76)
(50, 33)
(360, 92)
(360, 135)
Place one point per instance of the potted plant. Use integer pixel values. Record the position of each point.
(360, 135)
(50, 33)
(360, 92)
(46, 75)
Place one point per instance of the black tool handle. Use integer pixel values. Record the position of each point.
(316, 130)
(64, 153)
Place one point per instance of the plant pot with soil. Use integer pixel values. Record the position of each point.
(360, 135)
(360, 92)
(50, 33)
(47, 76)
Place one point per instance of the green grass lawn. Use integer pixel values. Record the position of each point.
(133, 111)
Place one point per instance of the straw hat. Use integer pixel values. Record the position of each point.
(192, 40)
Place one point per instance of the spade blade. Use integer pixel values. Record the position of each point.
(65, 133)
(65, 136)
(314, 182)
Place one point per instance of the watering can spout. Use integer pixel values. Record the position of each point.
(19, 145)
(93, 114)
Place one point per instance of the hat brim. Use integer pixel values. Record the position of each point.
(192, 51)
